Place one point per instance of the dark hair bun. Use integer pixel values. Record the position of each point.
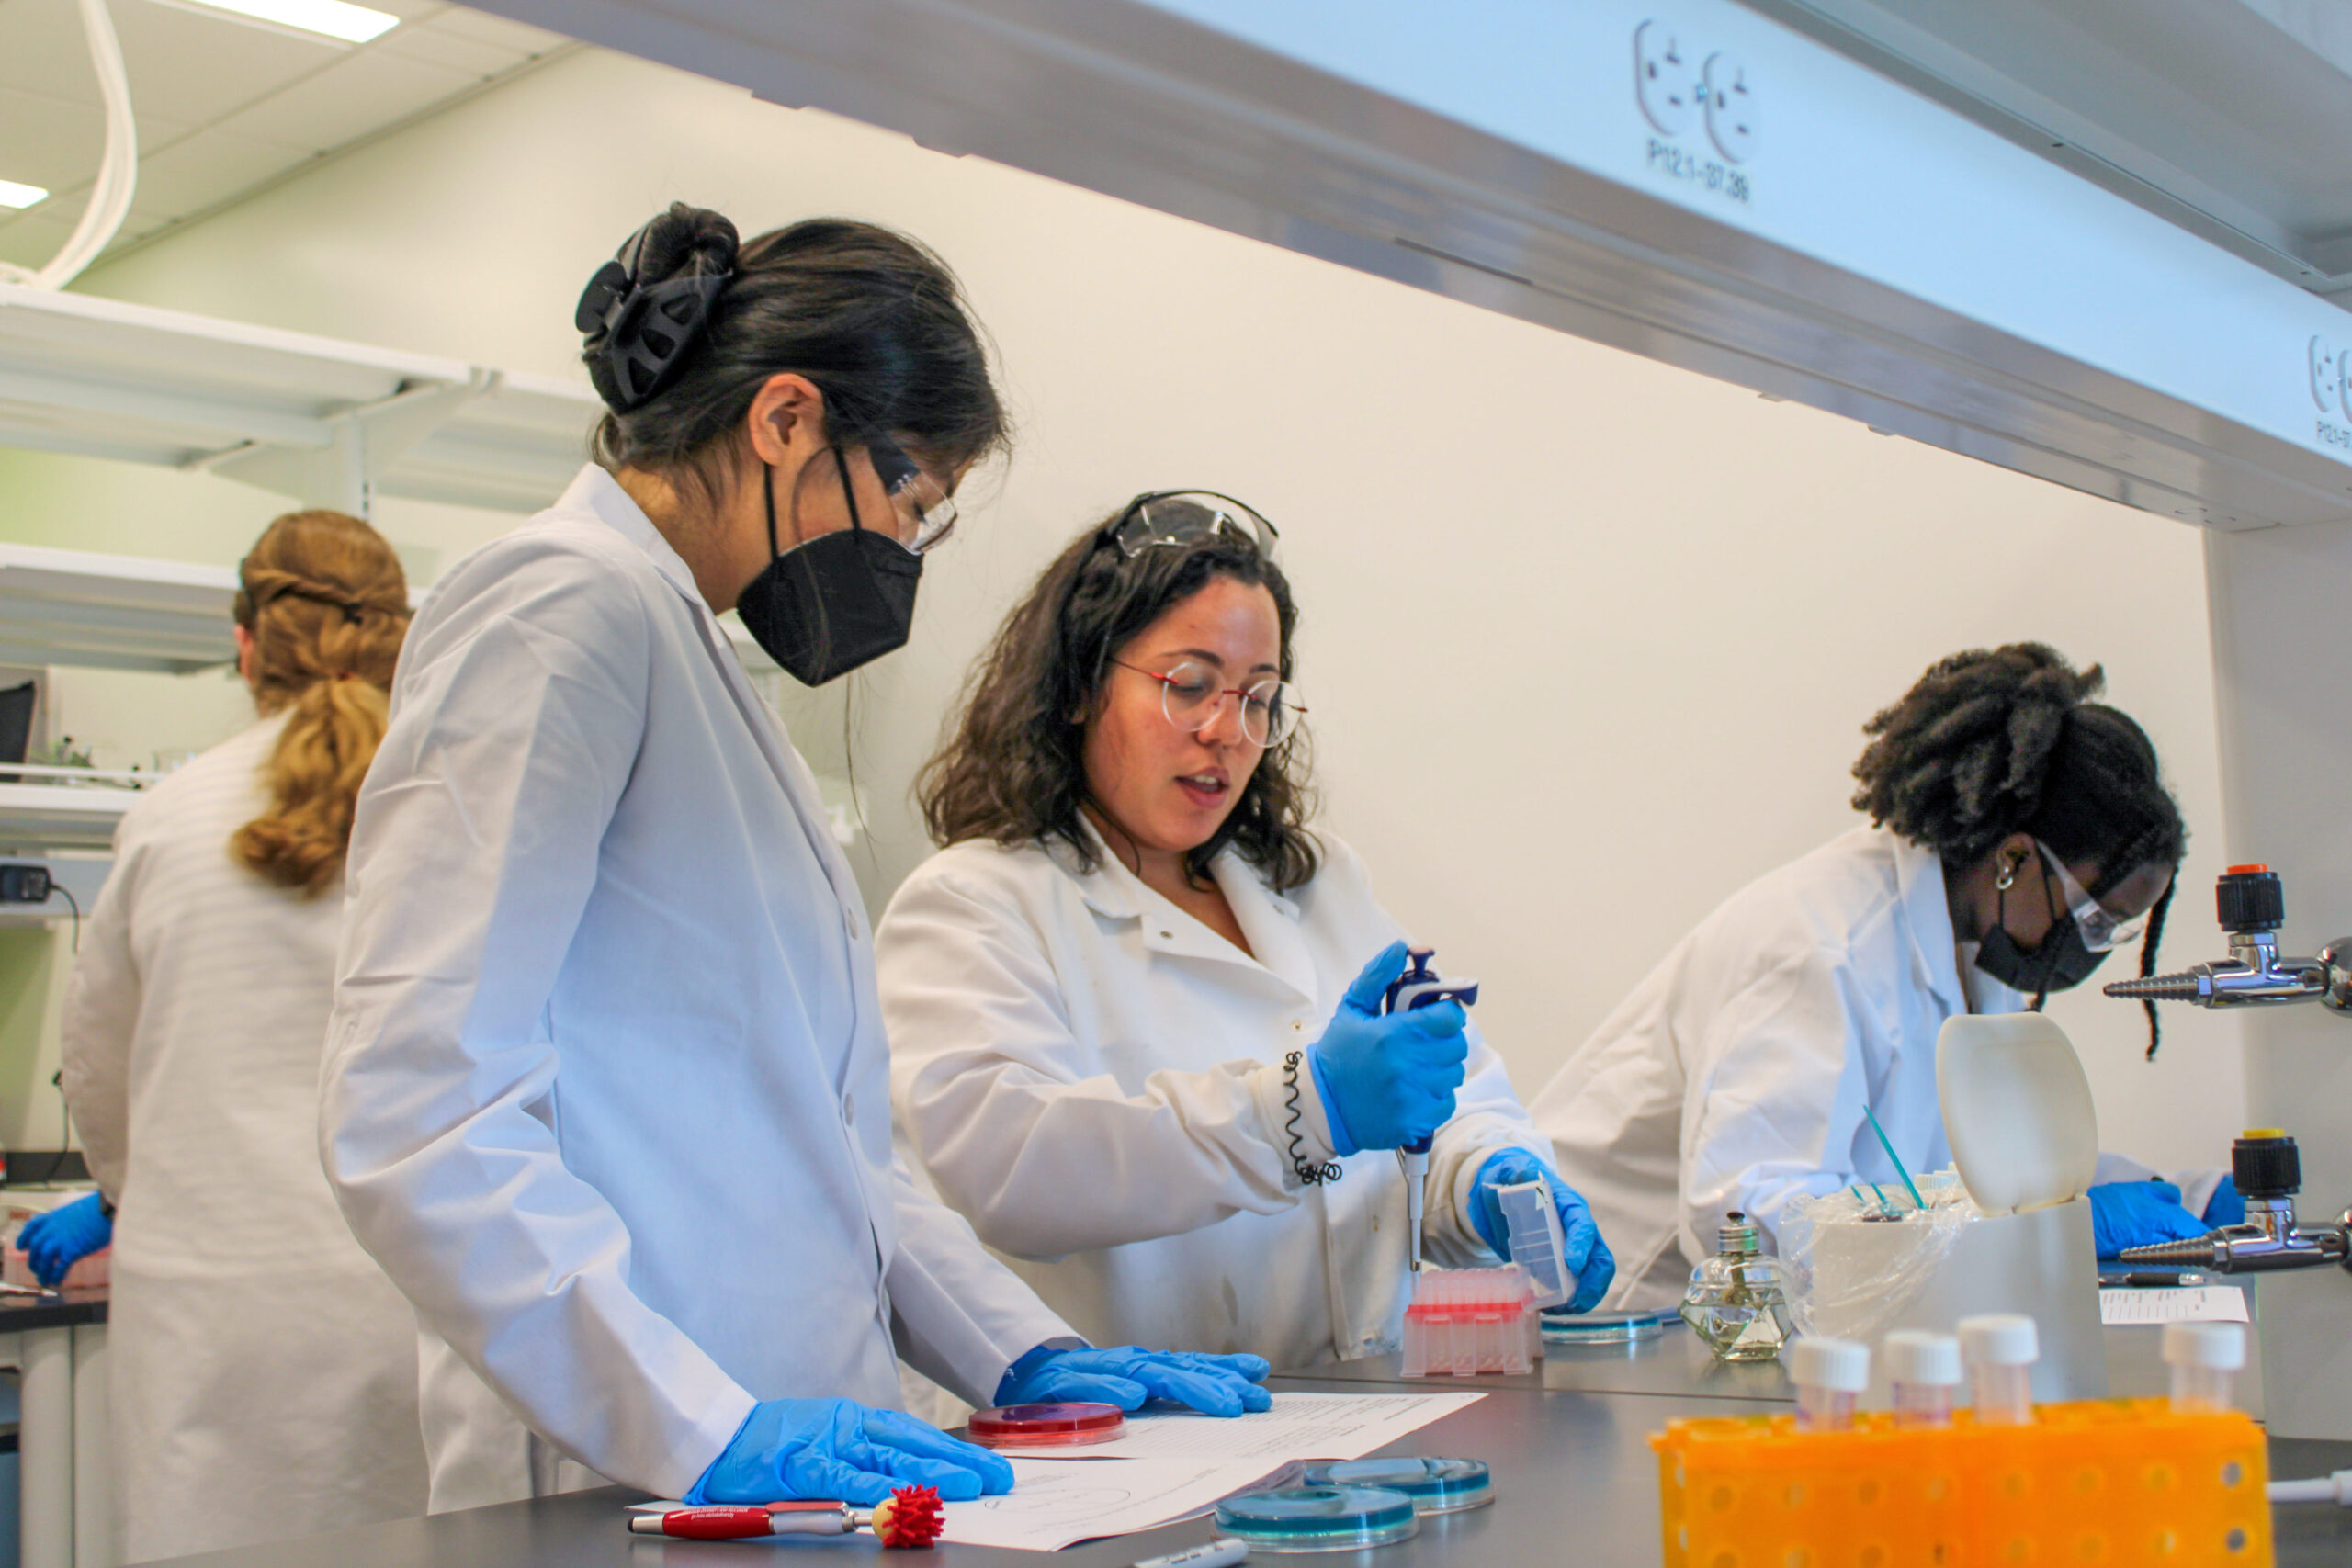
(644, 311)
(1959, 762)
(698, 323)
(685, 242)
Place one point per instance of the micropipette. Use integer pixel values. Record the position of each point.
(1419, 986)
(1888, 1145)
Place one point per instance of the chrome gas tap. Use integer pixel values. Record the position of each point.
(2269, 1172)
(2252, 905)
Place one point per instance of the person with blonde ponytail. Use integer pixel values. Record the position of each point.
(264, 1369)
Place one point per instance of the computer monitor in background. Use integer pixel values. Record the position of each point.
(16, 724)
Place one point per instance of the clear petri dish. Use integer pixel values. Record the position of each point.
(1046, 1425)
(1319, 1519)
(1435, 1486)
(1603, 1328)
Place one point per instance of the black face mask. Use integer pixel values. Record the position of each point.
(2061, 963)
(843, 600)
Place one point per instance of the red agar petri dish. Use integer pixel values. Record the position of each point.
(1047, 1426)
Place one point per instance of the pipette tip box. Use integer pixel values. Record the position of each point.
(1466, 1321)
(2110, 1481)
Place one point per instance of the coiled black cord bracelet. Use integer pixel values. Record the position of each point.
(1307, 1171)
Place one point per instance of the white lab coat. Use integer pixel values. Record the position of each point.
(1734, 1074)
(264, 1375)
(1096, 1078)
(606, 1092)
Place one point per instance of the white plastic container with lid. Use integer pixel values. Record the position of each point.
(2204, 1359)
(1532, 1217)
(1922, 1369)
(2001, 1348)
(1830, 1374)
(2017, 1237)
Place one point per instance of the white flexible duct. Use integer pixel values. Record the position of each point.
(109, 201)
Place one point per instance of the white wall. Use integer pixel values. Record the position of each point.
(1588, 640)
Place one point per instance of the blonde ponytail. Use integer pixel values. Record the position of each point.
(327, 605)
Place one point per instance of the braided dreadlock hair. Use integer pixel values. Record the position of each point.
(2005, 740)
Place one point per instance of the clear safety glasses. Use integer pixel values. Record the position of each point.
(1186, 517)
(1192, 698)
(926, 514)
(2102, 931)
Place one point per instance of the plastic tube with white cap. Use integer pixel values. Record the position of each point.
(2204, 1359)
(2001, 1348)
(1830, 1374)
(2335, 1489)
(1922, 1370)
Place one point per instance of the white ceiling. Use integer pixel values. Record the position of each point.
(224, 105)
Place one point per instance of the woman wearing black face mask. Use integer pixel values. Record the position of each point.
(606, 1092)
(2021, 832)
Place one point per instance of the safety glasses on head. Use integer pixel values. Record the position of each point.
(2102, 929)
(1180, 517)
(926, 513)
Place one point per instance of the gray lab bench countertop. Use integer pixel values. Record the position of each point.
(1677, 1365)
(67, 1309)
(1574, 1480)
(1569, 1472)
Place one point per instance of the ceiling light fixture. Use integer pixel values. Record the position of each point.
(14, 195)
(333, 19)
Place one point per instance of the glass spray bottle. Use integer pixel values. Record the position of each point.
(1735, 1300)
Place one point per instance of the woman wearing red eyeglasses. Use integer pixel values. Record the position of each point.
(1135, 1005)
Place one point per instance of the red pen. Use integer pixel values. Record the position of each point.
(909, 1519)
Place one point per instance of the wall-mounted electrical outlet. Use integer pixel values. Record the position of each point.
(2328, 376)
(24, 884)
(1666, 81)
(1731, 106)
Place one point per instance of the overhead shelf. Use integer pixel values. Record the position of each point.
(113, 612)
(324, 421)
(127, 612)
(61, 817)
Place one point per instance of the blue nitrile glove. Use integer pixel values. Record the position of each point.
(1587, 1255)
(57, 1240)
(1214, 1385)
(2134, 1214)
(2226, 1206)
(1388, 1081)
(839, 1449)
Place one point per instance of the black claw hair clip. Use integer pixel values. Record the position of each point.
(637, 334)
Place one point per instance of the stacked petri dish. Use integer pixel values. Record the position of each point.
(1319, 1519)
(1046, 1425)
(1604, 1327)
(1435, 1486)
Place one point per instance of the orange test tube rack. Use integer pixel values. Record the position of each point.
(2112, 1482)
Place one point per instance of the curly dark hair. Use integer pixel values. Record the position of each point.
(1994, 742)
(1012, 767)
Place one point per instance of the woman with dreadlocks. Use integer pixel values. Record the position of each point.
(2019, 833)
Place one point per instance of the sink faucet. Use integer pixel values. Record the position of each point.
(2269, 1172)
(2253, 905)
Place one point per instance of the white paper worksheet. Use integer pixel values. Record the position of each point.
(2161, 1303)
(1300, 1426)
(1055, 1502)
(1170, 1467)
(1058, 1502)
